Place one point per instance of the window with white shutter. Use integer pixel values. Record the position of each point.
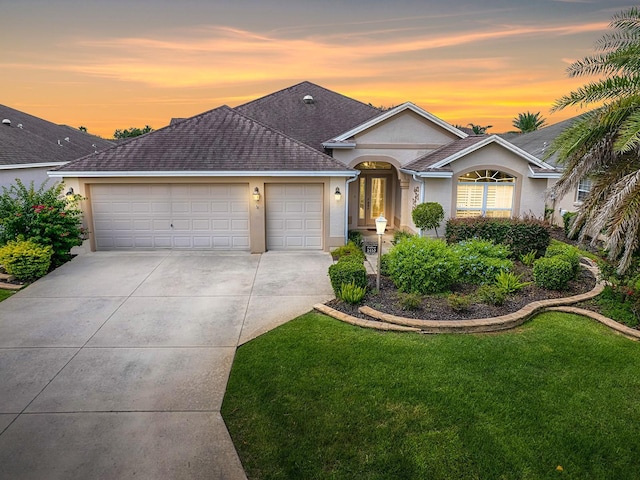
(485, 192)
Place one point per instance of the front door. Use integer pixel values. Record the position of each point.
(372, 198)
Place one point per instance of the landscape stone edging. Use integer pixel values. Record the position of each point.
(631, 333)
(490, 324)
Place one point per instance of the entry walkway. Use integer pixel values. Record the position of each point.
(115, 364)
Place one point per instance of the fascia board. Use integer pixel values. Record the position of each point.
(186, 174)
(339, 145)
(32, 165)
(428, 174)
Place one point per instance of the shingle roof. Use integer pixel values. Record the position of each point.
(329, 115)
(220, 140)
(425, 162)
(36, 140)
(538, 142)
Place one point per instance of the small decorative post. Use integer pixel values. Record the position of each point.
(381, 225)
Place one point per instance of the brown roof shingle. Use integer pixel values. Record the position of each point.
(36, 140)
(425, 162)
(220, 140)
(329, 115)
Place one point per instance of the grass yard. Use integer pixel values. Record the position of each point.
(318, 399)
(4, 294)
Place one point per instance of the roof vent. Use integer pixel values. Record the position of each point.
(308, 99)
(59, 143)
(6, 122)
(66, 139)
(20, 125)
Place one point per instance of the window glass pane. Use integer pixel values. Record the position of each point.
(378, 188)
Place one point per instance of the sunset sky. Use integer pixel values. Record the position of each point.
(116, 64)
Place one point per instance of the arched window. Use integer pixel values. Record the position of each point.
(485, 192)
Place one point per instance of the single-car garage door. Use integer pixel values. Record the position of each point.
(294, 216)
(180, 216)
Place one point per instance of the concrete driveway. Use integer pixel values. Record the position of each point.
(115, 365)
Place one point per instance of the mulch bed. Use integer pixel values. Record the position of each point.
(436, 307)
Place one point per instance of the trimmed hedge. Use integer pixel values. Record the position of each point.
(350, 249)
(521, 235)
(566, 252)
(552, 273)
(347, 270)
(422, 265)
(481, 260)
(26, 260)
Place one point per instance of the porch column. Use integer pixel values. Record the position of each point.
(405, 200)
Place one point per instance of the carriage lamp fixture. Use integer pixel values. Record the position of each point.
(338, 194)
(256, 196)
(69, 194)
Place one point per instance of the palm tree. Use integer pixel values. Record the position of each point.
(528, 122)
(479, 129)
(604, 143)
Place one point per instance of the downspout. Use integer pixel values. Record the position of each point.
(346, 206)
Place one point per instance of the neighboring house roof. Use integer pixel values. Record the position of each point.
(437, 163)
(342, 140)
(218, 142)
(538, 142)
(325, 115)
(31, 141)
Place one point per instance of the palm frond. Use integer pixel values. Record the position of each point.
(629, 134)
(607, 89)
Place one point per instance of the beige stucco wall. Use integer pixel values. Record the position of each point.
(333, 212)
(567, 203)
(37, 175)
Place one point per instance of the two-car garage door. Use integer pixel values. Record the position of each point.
(204, 216)
(189, 216)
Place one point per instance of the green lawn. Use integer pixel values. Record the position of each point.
(319, 399)
(4, 294)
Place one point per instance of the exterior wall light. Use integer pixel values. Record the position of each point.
(69, 194)
(338, 194)
(256, 194)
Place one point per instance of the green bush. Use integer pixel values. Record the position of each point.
(528, 258)
(399, 235)
(509, 282)
(350, 249)
(427, 216)
(490, 295)
(568, 253)
(481, 260)
(347, 271)
(410, 301)
(422, 265)
(521, 235)
(352, 293)
(45, 216)
(26, 260)
(552, 273)
(458, 303)
(355, 236)
(384, 264)
(567, 221)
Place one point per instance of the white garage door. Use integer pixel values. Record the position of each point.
(294, 216)
(190, 216)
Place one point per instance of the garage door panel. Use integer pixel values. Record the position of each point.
(294, 216)
(141, 216)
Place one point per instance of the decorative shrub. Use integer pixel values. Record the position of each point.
(347, 271)
(458, 303)
(45, 216)
(568, 253)
(26, 260)
(352, 293)
(528, 258)
(422, 265)
(491, 295)
(567, 221)
(410, 301)
(552, 273)
(521, 235)
(384, 264)
(399, 235)
(481, 260)
(427, 216)
(350, 249)
(509, 282)
(355, 236)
